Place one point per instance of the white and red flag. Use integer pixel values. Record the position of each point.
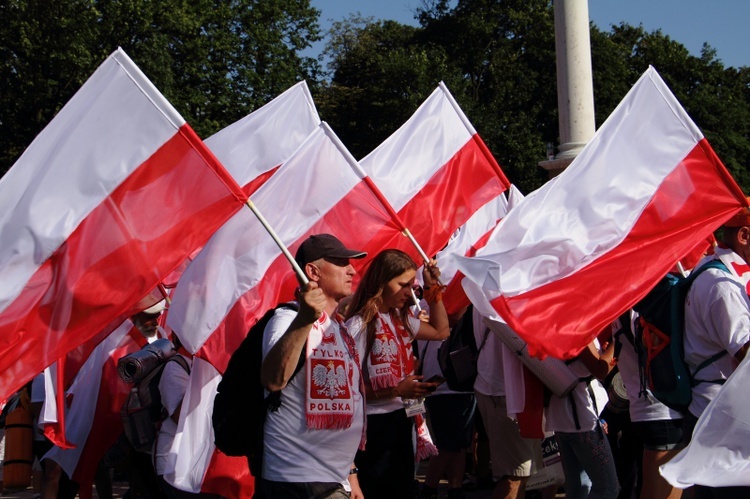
(434, 172)
(717, 455)
(108, 199)
(576, 253)
(253, 148)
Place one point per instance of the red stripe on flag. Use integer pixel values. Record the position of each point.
(258, 181)
(560, 318)
(458, 189)
(144, 229)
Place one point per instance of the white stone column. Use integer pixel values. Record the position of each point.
(575, 88)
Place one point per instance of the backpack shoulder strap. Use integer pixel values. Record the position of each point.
(712, 264)
(181, 361)
(273, 400)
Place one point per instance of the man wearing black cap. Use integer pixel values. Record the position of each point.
(310, 442)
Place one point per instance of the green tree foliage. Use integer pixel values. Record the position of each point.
(382, 72)
(498, 59)
(214, 60)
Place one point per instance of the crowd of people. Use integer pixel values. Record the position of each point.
(370, 402)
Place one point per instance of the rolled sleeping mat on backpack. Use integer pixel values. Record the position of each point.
(18, 451)
(133, 367)
(554, 373)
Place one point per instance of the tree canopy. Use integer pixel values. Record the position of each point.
(498, 59)
(217, 60)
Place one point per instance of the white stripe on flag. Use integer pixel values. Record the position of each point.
(717, 455)
(263, 139)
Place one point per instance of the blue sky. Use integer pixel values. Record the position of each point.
(723, 24)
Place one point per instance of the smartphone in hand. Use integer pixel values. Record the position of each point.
(436, 379)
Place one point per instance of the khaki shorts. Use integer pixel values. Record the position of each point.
(510, 453)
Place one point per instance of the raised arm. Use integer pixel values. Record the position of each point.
(281, 360)
(438, 327)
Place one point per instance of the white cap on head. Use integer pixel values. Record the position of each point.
(157, 308)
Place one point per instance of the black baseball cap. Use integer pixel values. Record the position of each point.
(321, 246)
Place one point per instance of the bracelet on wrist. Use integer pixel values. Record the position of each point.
(353, 471)
(433, 294)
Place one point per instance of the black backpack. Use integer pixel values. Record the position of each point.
(458, 354)
(240, 406)
(143, 412)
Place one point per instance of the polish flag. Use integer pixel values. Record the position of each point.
(110, 197)
(241, 272)
(96, 396)
(435, 172)
(252, 148)
(587, 246)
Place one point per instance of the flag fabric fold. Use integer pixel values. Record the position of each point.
(109, 198)
(435, 172)
(467, 240)
(97, 394)
(52, 418)
(587, 246)
(719, 452)
(252, 148)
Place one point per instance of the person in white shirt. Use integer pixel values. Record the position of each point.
(717, 327)
(514, 459)
(587, 458)
(311, 440)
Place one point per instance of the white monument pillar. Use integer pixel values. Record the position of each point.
(575, 87)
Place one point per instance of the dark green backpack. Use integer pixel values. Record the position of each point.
(661, 338)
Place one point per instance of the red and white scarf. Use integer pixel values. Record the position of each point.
(391, 360)
(331, 361)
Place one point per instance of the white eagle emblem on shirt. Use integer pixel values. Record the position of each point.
(385, 350)
(329, 380)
